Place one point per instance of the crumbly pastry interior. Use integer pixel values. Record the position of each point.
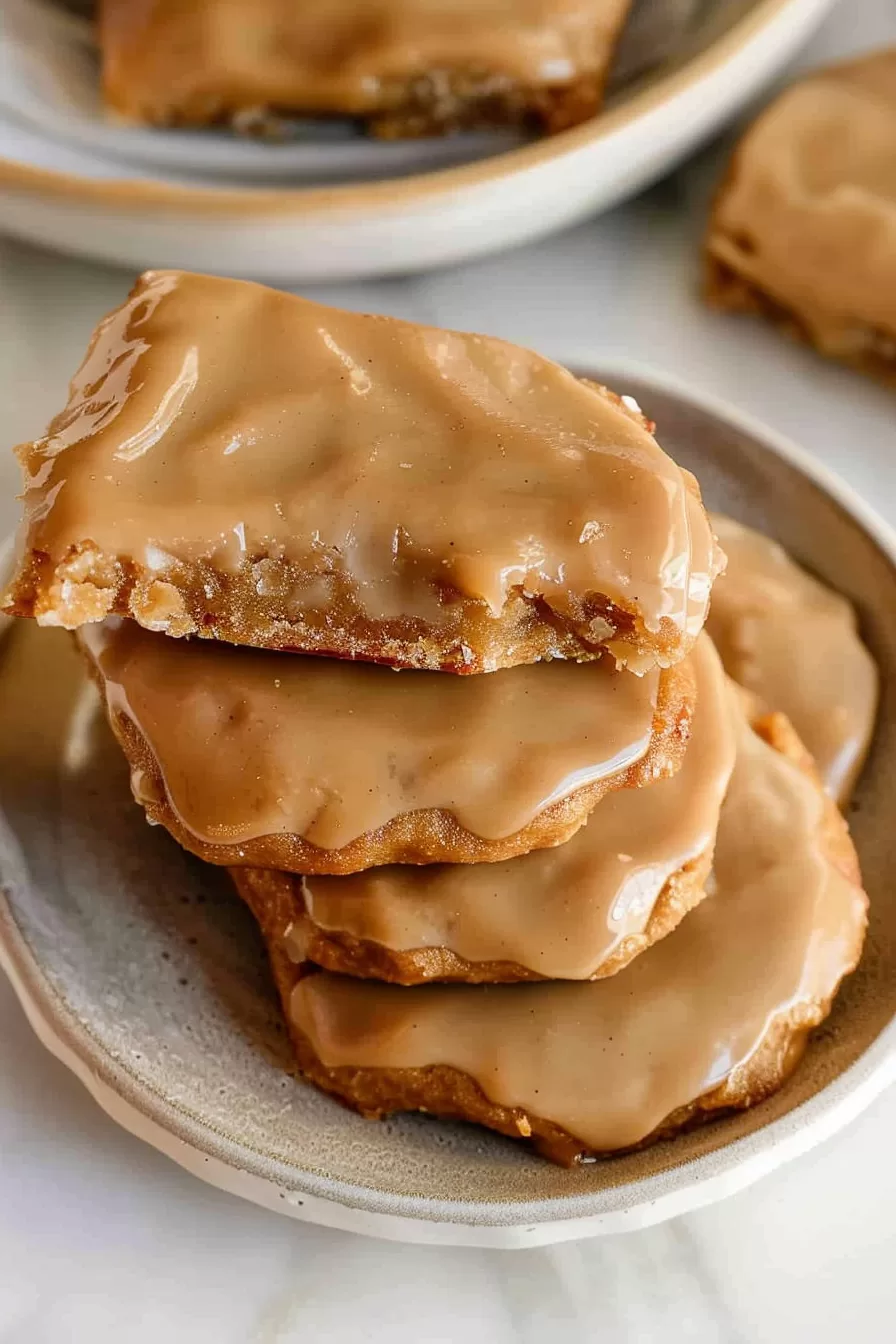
(804, 225)
(246, 752)
(577, 911)
(794, 644)
(711, 1018)
(407, 67)
(244, 465)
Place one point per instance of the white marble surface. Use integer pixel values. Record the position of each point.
(103, 1240)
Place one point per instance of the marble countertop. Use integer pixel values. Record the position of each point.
(102, 1239)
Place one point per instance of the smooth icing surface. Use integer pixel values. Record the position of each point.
(609, 1060)
(252, 743)
(793, 643)
(342, 55)
(563, 911)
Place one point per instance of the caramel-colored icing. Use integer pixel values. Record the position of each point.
(251, 743)
(340, 55)
(225, 425)
(808, 213)
(609, 1060)
(559, 912)
(794, 645)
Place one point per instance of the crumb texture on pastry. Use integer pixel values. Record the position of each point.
(245, 465)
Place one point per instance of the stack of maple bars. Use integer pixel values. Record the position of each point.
(243, 479)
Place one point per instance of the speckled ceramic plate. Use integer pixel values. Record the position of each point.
(140, 970)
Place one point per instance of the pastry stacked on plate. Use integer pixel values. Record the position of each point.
(405, 628)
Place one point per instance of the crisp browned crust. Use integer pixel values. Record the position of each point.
(340, 951)
(429, 835)
(247, 605)
(449, 1093)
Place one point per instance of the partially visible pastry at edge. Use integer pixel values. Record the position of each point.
(309, 765)
(407, 67)
(804, 225)
(245, 465)
(793, 643)
(712, 1018)
(579, 911)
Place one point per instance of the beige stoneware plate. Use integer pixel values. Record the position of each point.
(330, 208)
(141, 972)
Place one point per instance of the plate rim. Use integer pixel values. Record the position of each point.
(391, 194)
(632, 1205)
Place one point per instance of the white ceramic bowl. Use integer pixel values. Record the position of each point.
(131, 197)
(140, 970)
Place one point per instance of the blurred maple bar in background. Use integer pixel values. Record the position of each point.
(804, 225)
(404, 67)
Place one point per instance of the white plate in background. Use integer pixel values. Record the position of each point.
(144, 198)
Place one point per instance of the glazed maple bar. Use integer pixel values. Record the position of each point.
(711, 1019)
(315, 766)
(244, 465)
(578, 911)
(804, 226)
(406, 67)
